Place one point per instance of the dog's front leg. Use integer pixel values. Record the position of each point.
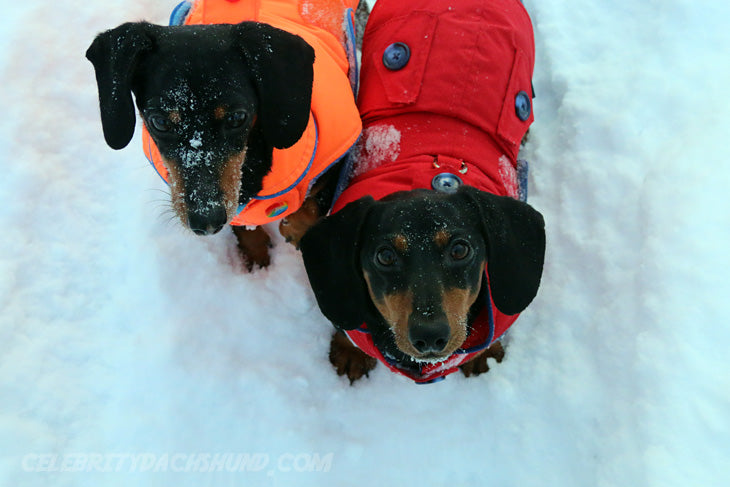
(254, 246)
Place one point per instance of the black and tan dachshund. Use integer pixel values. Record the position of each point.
(431, 254)
(217, 100)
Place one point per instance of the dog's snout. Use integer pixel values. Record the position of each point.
(209, 222)
(430, 337)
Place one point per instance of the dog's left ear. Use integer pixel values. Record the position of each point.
(283, 72)
(515, 236)
(115, 54)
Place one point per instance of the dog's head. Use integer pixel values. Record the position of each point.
(216, 100)
(412, 266)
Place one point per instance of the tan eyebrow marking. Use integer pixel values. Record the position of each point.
(441, 238)
(400, 242)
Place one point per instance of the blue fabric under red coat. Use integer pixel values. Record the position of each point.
(459, 105)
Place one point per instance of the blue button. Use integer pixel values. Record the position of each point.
(523, 106)
(396, 56)
(446, 182)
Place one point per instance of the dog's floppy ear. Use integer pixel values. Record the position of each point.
(515, 238)
(283, 73)
(331, 254)
(114, 54)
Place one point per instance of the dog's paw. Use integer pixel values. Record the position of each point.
(478, 365)
(348, 359)
(252, 259)
(253, 245)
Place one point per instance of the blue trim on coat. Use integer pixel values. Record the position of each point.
(180, 13)
(149, 149)
(350, 42)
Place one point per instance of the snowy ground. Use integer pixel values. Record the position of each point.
(133, 353)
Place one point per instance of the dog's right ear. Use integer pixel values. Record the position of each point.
(283, 72)
(114, 54)
(331, 254)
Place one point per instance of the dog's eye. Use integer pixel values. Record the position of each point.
(460, 250)
(160, 123)
(386, 257)
(235, 120)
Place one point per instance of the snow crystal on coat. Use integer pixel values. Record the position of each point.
(379, 144)
(508, 174)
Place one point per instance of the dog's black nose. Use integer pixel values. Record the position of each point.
(208, 222)
(429, 337)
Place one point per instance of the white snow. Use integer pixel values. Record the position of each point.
(196, 142)
(133, 353)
